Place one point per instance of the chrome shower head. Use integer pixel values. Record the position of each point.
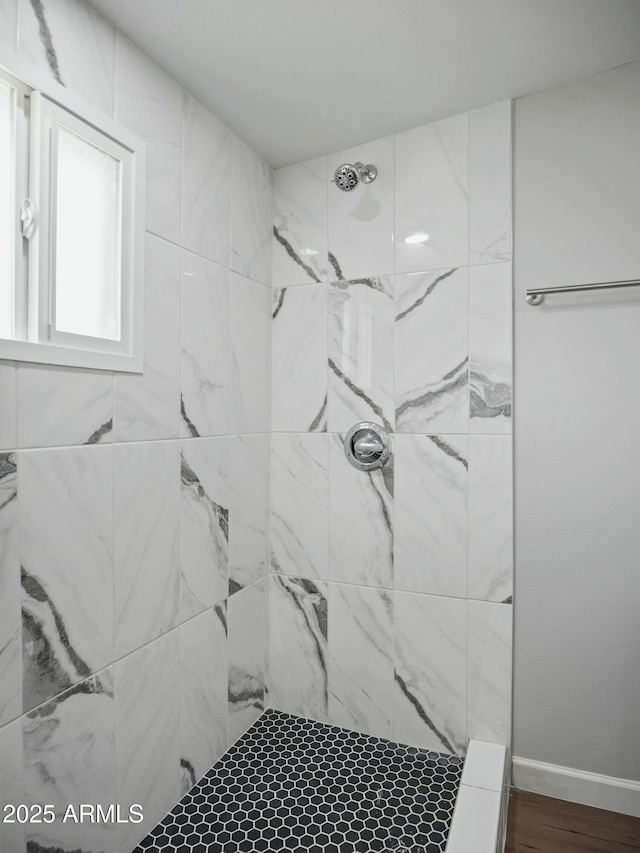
(348, 176)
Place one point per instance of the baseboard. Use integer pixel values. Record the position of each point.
(577, 786)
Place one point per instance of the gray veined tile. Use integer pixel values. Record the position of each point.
(10, 616)
(12, 835)
(69, 759)
(298, 646)
(248, 509)
(299, 511)
(204, 529)
(248, 642)
(146, 541)
(9, 407)
(431, 484)
(361, 666)
(432, 352)
(203, 692)
(66, 540)
(249, 391)
(430, 672)
(251, 214)
(489, 672)
(490, 322)
(204, 371)
(300, 223)
(361, 353)
(8, 23)
(361, 521)
(299, 359)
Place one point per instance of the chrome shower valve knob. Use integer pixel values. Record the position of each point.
(367, 446)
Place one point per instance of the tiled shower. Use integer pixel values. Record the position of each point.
(183, 549)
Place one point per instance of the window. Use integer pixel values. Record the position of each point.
(71, 232)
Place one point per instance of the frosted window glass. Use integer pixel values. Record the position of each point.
(87, 259)
(7, 203)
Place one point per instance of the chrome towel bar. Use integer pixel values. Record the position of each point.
(535, 296)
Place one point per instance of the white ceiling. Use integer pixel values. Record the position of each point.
(298, 78)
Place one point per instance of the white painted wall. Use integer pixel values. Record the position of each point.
(577, 457)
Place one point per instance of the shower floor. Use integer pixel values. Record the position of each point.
(291, 784)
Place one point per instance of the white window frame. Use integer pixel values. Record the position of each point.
(36, 339)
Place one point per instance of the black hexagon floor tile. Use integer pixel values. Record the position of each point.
(294, 785)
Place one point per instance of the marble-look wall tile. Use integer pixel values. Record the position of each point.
(204, 529)
(147, 715)
(299, 359)
(298, 645)
(490, 184)
(12, 838)
(249, 365)
(206, 183)
(147, 406)
(73, 44)
(431, 196)
(248, 642)
(64, 405)
(360, 223)
(361, 353)
(490, 348)
(360, 521)
(204, 373)
(203, 693)
(432, 352)
(489, 672)
(490, 517)
(8, 23)
(66, 544)
(361, 659)
(10, 620)
(146, 541)
(430, 672)
(69, 759)
(150, 104)
(251, 214)
(299, 496)
(248, 509)
(9, 407)
(300, 223)
(431, 474)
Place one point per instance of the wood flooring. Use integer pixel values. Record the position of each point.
(548, 825)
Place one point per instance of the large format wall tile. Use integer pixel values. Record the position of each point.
(431, 514)
(204, 528)
(203, 693)
(361, 353)
(248, 646)
(9, 407)
(73, 44)
(249, 389)
(147, 523)
(248, 509)
(251, 214)
(300, 223)
(148, 734)
(204, 403)
(298, 646)
(10, 620)
(8, 23)
(490, 517)
(431, 196)
(62, 405)
(490, 309)
(299, 359)
(150, 103)
(360, 223)
(360, 521)
(148, 406)
(299, 495)
(12, 784)
(432, 352)
(66, 536)
(490, 184)
(430, 672)
(69, 759)
(361, 659)
(489, 672)
(206, 183)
